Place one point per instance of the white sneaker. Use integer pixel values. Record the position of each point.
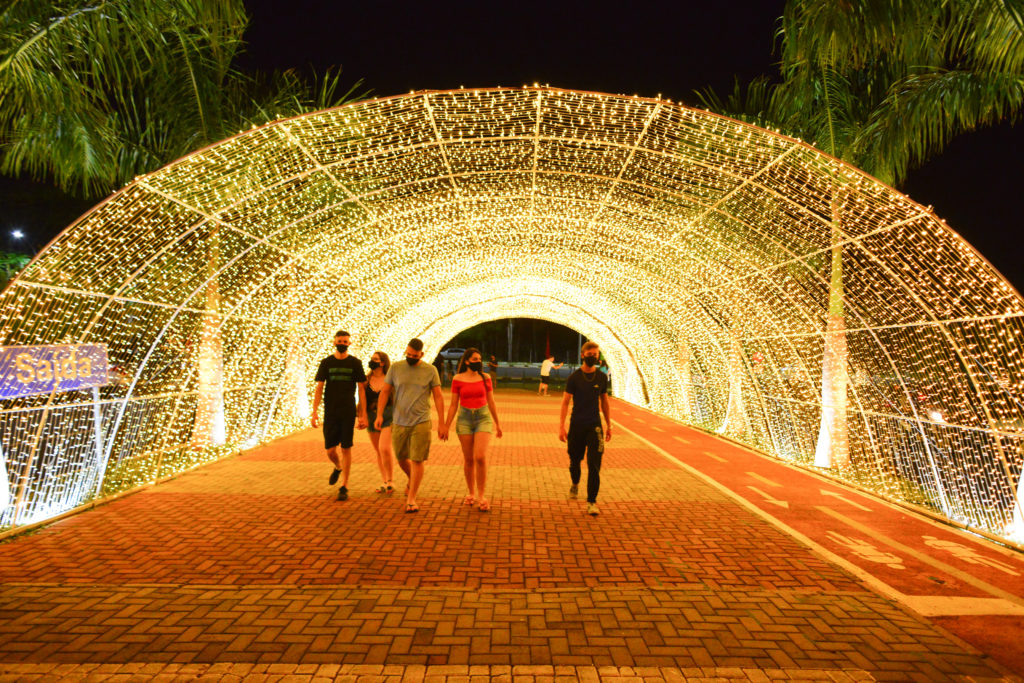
(592, 509)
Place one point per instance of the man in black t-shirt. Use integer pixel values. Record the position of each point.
(587, 388)
(337, 379)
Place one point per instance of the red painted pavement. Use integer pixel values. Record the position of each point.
(905, 551)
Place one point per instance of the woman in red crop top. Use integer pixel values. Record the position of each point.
(473, 400)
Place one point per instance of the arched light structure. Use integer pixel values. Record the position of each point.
(697, 250)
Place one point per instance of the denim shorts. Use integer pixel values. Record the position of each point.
(371, 417)
(474, 421)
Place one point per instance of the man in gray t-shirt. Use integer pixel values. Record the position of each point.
(413, 383)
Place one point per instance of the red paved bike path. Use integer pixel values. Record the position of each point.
(964, 583)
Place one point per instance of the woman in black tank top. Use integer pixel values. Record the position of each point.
(379, 366)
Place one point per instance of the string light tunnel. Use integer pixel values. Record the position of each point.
(738, 280)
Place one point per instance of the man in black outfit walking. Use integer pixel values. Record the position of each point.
(336, 381)
(586, 388)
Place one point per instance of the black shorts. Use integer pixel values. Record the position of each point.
(544, 379)
(339, 429)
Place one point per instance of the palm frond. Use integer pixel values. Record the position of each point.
(923, 112)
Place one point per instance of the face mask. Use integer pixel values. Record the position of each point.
(374, 365)
(412, 361)
(342, 348)
(589, 361)
(477, 366)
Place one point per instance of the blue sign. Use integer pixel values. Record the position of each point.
(30, 370)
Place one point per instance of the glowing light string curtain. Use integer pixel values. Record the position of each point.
(696, 250)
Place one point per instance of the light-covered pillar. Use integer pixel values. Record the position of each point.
(295, 397)
(686, 382)
(209, 429)
(735, 423)
(833, 447)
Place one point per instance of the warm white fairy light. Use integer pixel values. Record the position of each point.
(695, 249)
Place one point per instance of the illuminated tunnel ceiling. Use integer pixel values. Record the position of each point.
(694, 248)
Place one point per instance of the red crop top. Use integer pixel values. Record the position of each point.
(472, 395)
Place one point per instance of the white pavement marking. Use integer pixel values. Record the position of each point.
(769, 499)
(927, 606)
(679, 438)
(843, 498)
(967, 554)
(935, 606)
(713, 456)
(764, 480)
(924, 557)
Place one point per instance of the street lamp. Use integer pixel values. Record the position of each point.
(17, 234)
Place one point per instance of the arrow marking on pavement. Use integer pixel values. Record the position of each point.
(765, 480)
(769, 499)
(714, 457)
(844, 499)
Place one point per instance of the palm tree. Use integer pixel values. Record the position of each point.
(883, 85)
(95, 92)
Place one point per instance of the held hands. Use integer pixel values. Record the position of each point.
(361, 422)
(442, 432)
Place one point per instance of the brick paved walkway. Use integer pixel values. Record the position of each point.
(249, 568)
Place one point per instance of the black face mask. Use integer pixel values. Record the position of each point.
(342, 348)
(374, 365)
(412, 361)
(589, 361)
(477, 366)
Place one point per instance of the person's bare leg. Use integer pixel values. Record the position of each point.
(404, 466)
(375, 440)
(346, 465)
(386, 455)
(415, 479)
(466, 441)
(332, 455)
(480, 465)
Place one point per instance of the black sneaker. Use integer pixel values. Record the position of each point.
(334, 477)
(574, 491)
(343, 493)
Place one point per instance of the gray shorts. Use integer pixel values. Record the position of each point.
(411, 443)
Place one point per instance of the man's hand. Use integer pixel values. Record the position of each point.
(608, 432)
(562, 436)
(361, 422)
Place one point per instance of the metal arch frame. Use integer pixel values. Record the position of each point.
(640, 121)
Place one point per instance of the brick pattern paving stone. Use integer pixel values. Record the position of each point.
(369, 673)
(635, 627)
(248, 568)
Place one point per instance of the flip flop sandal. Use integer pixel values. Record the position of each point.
(411, 508)
(389, 489)
(485, 506)
(468, 500)
(381, 489)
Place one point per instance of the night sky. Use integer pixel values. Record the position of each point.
(639, 48)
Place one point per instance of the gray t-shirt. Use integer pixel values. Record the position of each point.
(412, 386)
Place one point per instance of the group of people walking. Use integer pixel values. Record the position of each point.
(392, 403)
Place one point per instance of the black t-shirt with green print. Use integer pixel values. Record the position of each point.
(340, 377)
